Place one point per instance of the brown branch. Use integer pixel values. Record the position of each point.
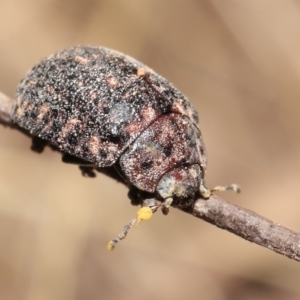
(248, 225)
(242, 222)
(6, 105)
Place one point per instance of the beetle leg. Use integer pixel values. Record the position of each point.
(204, 191)
(166, 205)
(87, 171)
(86, 168)
(70, 159)
(37, 144)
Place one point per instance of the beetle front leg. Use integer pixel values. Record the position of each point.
(206, 193)
(165, 206)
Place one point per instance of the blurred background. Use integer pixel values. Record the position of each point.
(239, 64)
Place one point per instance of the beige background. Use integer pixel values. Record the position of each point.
(239, 64)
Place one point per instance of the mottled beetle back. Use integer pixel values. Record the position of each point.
(102, 108)
(93, 102)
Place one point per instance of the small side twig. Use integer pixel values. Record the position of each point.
(241, 222)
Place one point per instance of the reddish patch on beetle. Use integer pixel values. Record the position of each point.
(112, 149)
(101, 105)
(69, 126)
(168, 142)
(133, 127)
(24, 107)
(148, 114)
(50, 89)
(182, 107)
(141, 72)
(48, 126)
(112, 81)
(43, 110)
(81, 60)
(20, 107)
(93, 95)
(94, 145)
(177, 107)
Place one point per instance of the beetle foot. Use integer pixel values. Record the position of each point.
(204, 191)
(165, 206)
(87, 171)
(38, 145)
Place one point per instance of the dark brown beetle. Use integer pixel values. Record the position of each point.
(108, 112)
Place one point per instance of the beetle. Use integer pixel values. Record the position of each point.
(108, 112)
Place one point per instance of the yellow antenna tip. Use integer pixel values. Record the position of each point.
(110, 246)
(145, 213)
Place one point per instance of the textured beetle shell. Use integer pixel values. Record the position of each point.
(93, 103)
(169, 142)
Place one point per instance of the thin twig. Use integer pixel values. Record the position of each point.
(248, 225)
(242, 222)
(6, 105)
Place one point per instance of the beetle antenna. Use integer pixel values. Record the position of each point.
(233, 187)
(144, 213)
(206, 193)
